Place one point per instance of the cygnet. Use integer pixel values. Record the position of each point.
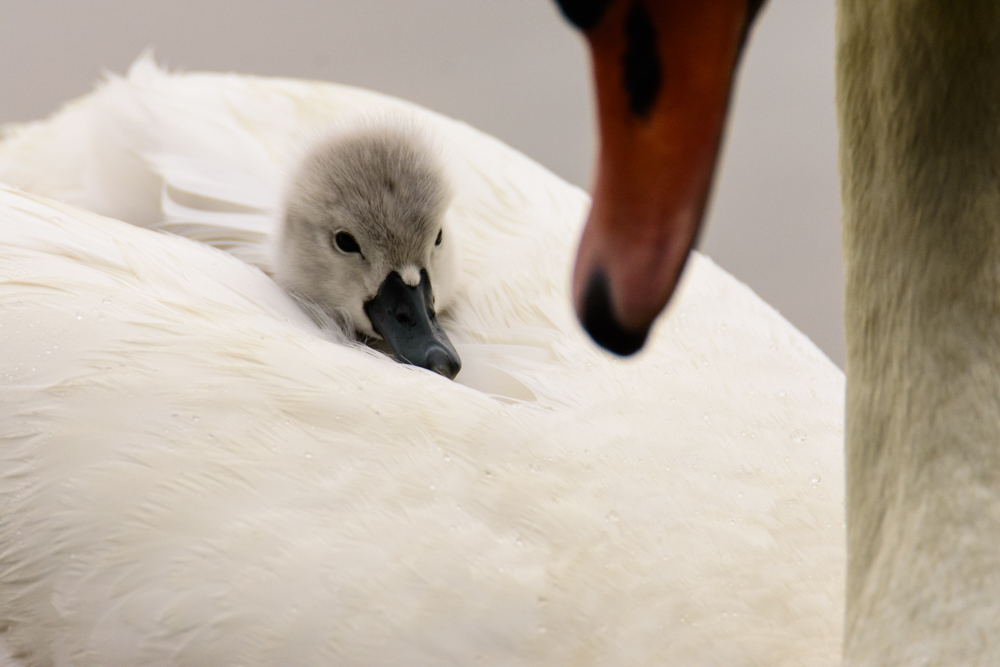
(363, 233)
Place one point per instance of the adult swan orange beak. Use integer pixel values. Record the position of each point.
(663, 70)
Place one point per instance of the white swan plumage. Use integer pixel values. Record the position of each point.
(191, 472)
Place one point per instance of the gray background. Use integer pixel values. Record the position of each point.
(512, 68)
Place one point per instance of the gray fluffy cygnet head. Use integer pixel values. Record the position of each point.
(362, 204)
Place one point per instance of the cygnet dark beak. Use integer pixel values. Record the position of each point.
(404, 316)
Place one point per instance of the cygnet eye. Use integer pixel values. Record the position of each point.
(345, 243)
(437, 241)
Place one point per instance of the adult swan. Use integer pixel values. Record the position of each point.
(191, 474)
(919, 108)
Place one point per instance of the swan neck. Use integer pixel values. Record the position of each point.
(918, 93)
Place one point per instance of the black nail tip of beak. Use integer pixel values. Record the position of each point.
(441, 362)
(599, 320)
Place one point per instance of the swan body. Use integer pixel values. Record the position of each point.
(192, 472)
